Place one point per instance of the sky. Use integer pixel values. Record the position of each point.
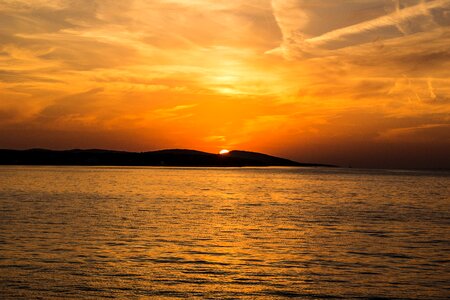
(350, 82)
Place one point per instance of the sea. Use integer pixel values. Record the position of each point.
(223, 233)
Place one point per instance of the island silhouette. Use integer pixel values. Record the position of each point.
(169, 157)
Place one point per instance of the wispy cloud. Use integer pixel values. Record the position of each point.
(291, 18)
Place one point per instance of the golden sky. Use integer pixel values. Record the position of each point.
(361, 82)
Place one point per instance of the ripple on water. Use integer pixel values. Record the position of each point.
(274, 233)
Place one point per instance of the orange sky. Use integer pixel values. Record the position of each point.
(347, 82)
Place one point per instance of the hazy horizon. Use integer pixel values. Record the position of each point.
(360, 83)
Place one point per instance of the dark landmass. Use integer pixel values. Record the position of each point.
(173, 157)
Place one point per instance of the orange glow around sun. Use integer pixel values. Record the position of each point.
(224, 152)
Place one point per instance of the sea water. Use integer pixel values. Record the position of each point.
(223, 233)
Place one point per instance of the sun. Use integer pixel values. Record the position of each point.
(224, 152)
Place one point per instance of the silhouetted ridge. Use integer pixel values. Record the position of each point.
(262, 158)
(169, 157)
(180, 152)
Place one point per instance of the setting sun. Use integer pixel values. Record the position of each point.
(224, 151)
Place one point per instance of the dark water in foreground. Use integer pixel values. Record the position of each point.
(271, 233)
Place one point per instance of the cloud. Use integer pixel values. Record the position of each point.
(174, 113)
(80, 110)
(428, 133)
(292, 19)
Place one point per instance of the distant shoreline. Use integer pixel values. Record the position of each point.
(160, 158)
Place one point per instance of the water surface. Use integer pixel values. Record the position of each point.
(233, 233)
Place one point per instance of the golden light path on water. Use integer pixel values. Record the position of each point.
(236, 233)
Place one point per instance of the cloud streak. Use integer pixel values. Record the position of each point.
(425, 16)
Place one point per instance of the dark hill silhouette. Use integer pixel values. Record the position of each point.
(260, 157)
(169, 157)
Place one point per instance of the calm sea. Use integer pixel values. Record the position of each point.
(223, 233)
